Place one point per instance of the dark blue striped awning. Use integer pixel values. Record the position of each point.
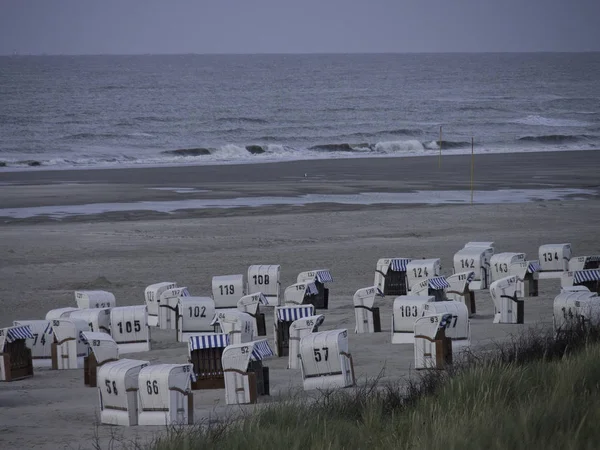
(324, 276)
(593, 258)
(438, 283)
(291, 313)
(261, 350)
(399, 264)
(582, 276)
(311, 289)
(534, 266)
(208, 341)
(19, 332)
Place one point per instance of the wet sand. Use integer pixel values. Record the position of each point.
(44, 259)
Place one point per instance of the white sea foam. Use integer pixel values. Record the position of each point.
(411, 145)
(549, 122)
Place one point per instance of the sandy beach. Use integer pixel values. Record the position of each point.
(44, 259)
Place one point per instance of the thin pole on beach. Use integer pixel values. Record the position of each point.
(440, 158)
(472, 166)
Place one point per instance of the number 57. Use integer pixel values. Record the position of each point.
(319, 356)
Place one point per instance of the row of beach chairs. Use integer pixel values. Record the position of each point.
(225, 332)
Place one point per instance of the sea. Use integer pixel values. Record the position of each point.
(62, 112)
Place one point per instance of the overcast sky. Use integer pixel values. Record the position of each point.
(302, 26)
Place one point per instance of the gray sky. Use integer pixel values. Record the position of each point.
(301, 26)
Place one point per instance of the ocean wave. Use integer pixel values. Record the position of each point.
(393, 132)
(109, 87)
(549, 122)
(479, 108)
(411, 145)
(447, 145)
(343, 147)
(555, 138)
(240, 154)
(242, 120)
(161, 119)
(199, 151)
(86, 135)
(97, 136)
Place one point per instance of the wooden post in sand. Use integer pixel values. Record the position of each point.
(440, 157)
(472, 166)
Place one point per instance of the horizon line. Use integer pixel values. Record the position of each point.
(42, 54)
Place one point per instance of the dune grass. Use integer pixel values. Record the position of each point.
(536, 391)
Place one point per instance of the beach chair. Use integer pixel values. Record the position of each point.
(227, 290)
(319, 277)
(366, 315)
(554, 260)
(301, 294)
(152, 295)
(284, 316)
(573, 309)
(589, 278)
(129, 328)
(205, 352)
(419, 270)
(390, 276)
(40, 342)
(237, 325)
(16, 362)
(245, 376)
(165, 397)
(460, 291)
(98, 319)
(101, 349)
(95, 299)
(475, 257)
(407, 309)
(69, 348)
(194, 316)
(299, 329)
(459, 326)
(265, 279)
(508, 308)
(118, 383)
(325, 360)
(433, 350)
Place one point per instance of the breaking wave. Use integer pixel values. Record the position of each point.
(549, 122)
(447, 145)
(411, 145)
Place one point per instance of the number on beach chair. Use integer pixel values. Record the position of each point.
(326, 362)
(129, 328)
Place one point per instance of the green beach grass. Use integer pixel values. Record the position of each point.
(536, 391)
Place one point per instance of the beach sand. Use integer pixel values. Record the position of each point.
(44, 260)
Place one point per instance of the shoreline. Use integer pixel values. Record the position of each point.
(327, 165)
(296, 186)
